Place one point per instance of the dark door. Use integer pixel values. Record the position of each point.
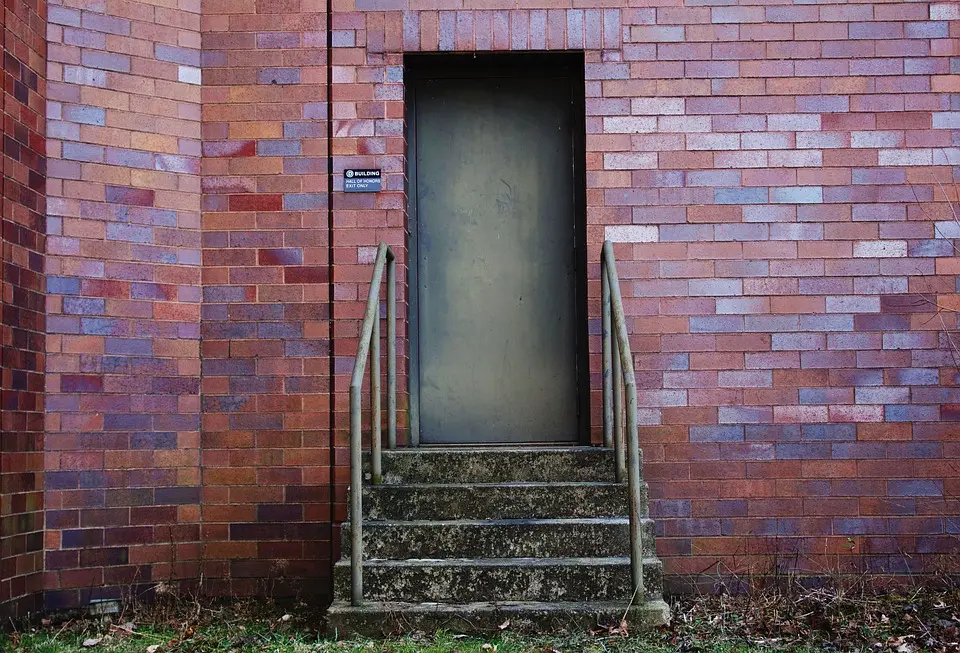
(496, 259)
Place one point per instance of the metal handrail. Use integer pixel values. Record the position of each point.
(370, 339)
(619, 379)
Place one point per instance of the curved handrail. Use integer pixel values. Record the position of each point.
(617, 368)
(370, 340)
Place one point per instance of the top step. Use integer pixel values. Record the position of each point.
(508, 464)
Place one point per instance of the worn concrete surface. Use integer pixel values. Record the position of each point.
(468, 538)
(383, 619)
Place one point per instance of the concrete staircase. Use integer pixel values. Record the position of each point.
(468, 539)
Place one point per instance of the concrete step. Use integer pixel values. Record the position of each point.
(375, 619)
(450, 501)
(497, 465)
(499, 579)
(498, 538)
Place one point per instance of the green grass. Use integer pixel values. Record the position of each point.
(259, 639)
(844, 618)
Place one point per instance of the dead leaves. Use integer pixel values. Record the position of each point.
(892, 620)
(620, 630)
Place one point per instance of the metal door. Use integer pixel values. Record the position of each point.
(496, 262)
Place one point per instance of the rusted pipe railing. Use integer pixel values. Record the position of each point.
(370, 346)
(618, 370)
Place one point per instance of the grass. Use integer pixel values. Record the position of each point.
(247, 627)
(825, 618)
(262, 639)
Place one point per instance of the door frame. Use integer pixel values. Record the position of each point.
(568, 65)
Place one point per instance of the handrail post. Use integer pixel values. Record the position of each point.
(376, 433)
(369, 338)
(633, 487)
(618, 447)
(356, 505)
(606, 360)
(391, 351)
(625, 357)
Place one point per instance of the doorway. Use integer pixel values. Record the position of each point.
(497, 255)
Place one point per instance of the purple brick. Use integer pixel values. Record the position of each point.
(746, 232)
(859, 526)
(888, 395)
(827, 322)
(304, 201)
(83, 152)
(129, 233)
(823, 396)
(716, 434)
(752, 527)
(301, 130)
(686, 233)
(63, 285)
(693, 527)
(95, 326)
(670, 508)
(802, 451)
(131, 158)
(278, 76)
(106, 61)
(822, 432)
(914, 376)
(129, 346)
(883, 322)
(772, 432)
(915, 488)
(747, 451)
(741, 195)
(859, 450)
(277, 40)
(715, 287)
(175, 54)
(745, 415)
(83, 306)
(771, 323)
(717, 324)
(84, 114)
(911, 413)
(745, 379)
(901, 450)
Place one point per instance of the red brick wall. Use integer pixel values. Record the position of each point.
(22, 321)
(123, 368)
(368, 127)
(770, 174)
(266, 340)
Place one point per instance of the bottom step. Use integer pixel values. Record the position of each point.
(374, 619)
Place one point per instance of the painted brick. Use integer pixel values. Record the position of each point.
(797, 195)
(880, 249)
(632, 234)
(764, 170)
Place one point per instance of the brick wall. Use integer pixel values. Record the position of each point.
(123, 283)
(368, 128)
(22, 320)
(266, 340)
(771, 177)
(772, 173)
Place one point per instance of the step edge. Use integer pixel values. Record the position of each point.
(342, 605)
(504, 484)
(505, 448)
(499, 563)
(547, 521)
